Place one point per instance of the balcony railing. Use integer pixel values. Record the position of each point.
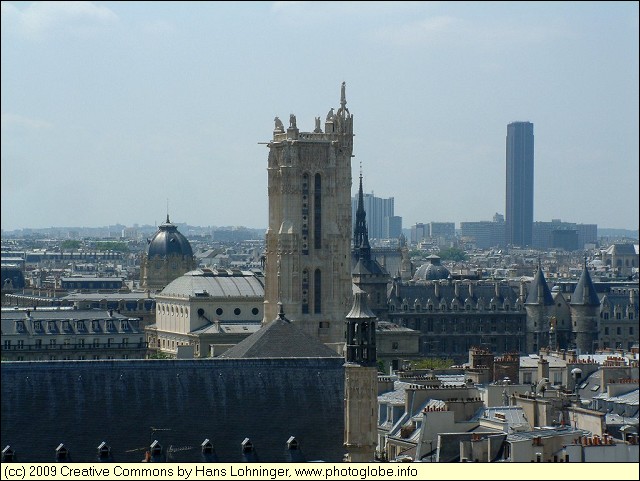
(76, 347)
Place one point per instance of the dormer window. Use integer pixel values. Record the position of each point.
(124, 325)
(20, 326)
(247, 446)
(292, 443)
(62, 452)
(7, 454)
(104, 450)
(37, 326)
(156, 448)
(80, 327)
(207, 447)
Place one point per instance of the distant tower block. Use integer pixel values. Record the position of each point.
(308, 263)
(519, 195)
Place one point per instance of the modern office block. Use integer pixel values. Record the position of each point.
(519, 188)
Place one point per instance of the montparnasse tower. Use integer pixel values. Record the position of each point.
(308, 241)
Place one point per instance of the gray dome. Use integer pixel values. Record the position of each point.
(168, 242)
(220, 283)
(431, 270)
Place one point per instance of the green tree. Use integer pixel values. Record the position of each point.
(452, 254)
(112, 246)
(432, 363)
(70, 244)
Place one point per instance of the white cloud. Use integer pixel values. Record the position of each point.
(40, 19)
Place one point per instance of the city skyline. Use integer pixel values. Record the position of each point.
(111, 111)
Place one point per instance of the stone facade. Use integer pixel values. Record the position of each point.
(308, 255)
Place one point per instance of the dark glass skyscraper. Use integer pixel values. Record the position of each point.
(519, 209)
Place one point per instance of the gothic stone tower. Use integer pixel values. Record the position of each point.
(361, 383)
(308, 258)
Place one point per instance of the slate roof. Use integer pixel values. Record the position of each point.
(65, 321)
(546, 433)
(511, 415)
(578, 297)
(622, 249)
(539, 290)
(168, 241)
(180, 403)
(366, 267)
(426, 292)
(280, 339)
(215, 284)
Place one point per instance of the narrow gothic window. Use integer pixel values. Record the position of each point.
(305, 214)
(305, 291)
(317, 212)
(317, 292)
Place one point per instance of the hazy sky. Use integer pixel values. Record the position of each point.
(111, 110)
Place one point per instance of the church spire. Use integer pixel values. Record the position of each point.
(360, 233)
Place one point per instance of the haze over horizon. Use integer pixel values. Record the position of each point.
(112, 109)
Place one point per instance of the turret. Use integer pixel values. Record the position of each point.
(584, 313)
(539, 306)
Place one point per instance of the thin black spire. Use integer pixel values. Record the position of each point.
(360, 232)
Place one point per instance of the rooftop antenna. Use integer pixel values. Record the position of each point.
(167, 210)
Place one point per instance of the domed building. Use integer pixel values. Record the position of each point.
(207, 307)
(168, 256)
(431, 270)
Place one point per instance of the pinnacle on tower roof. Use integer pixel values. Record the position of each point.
(360, 232)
